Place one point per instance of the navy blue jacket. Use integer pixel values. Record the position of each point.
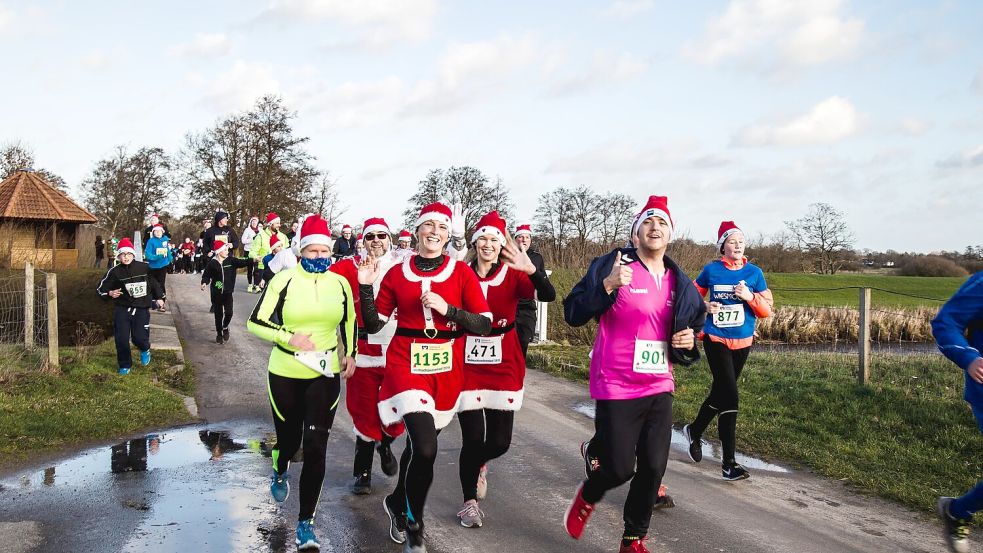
(963, 311)
(588, 300)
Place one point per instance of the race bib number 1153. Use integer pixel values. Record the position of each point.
(431, 358)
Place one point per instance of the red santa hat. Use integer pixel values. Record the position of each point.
(405, 235)
(157, 226)
(358, 237)
(435, 212)
(272, 218)
(491, 223)
(656, 206)
(218, 246)
(125, 246)
(314, 231)
(375, 224)
(155, 216)
(275, 241)
(727, 228)
(346, 227)
(524, 228)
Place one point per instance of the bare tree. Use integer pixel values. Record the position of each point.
(124, 189)
(16, 156)
(466, 185)
(327, 200)
(553, 228)
(614, 215)
(824, 235)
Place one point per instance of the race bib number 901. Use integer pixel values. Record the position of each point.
(729, 316)
(431, 358)
(651, 357)
(483, 351)
(136, 289)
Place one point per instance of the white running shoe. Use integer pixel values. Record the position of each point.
(470, 514)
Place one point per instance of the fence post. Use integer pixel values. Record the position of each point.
(52, 286)
(542, 312)
(863, 337)
(28, 305)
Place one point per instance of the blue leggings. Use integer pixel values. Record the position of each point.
(972, 502)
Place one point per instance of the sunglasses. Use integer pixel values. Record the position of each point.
(380, 236)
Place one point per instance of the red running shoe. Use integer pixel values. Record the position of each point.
(636, 546)
(577, 514)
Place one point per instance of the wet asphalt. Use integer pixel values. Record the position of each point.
(205, 487)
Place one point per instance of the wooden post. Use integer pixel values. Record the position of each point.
(863, 337)
(52, 285)
(54, 242)
(28, 305)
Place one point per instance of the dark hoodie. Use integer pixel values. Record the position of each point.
(229, 235)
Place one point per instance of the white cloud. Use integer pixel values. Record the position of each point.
(605, 68)
(625, 9)
(914, 126)
(624, 158)
(353, 104)
(376, 23)
(978, 82)
(972, 157)
(204, 45)
(827, 122)
(770, 34)
(239, 86)
(6, 16)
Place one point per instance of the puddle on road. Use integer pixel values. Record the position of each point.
(709, 450)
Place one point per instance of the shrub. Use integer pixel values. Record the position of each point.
(932, 266)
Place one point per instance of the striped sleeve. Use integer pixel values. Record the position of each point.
(266, 320)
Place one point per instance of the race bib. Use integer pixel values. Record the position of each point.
(651, 357)
(729, 316)
(161, 251)
(480, 350)
(431, 358)
(319, 361)
(136, 289)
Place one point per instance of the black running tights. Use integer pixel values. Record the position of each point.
(222, 304)
(486, 434)
(726, 365)
(416, 464)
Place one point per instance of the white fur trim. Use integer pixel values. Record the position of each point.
(321, 239)
(376, 228)
(273, 222)
(488, 230)
(433, 216)
(523, 231)
(360, 435)
(439, 277)
(370, 360)
(497, 281)
(125, 250)
(727, 234)
(490, 399)
(653, 212)
(411, 401)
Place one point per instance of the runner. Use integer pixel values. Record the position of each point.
(261, 244)
(437, 298)
(739, 297)
(157, 254)
(494, 366)
(963, 312)
(345, 245)
(278, 259)
(220, 272)
(200, 257)
(154, 221)
(132, 288)
(188, 254)
(648, 310)
(221, 232)
(362, 389)
(527, 312)
(301, 311)
(248, 236)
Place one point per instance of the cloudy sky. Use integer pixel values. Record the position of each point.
(738, 109)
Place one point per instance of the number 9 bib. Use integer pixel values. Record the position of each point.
(729, 316)
(431, 358)
(651, 357)
(318, 361)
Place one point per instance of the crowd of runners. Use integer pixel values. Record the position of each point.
(435, 326)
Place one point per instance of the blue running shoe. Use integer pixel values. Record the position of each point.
(124, 370)
(279, 487)
(305, 535)
(145, 357)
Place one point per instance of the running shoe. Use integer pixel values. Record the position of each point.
(390, 466)
(577, 514)
(218, 338)
(734, 471)
(664, 501)
(279, 487)
(482, 482)
(591, 463)
(470, 514)
(305, 535)
(695, 446)
(397, 519)
(956, 529)
(124, 370)
(225, 334)
(414, 540)
(636, 546)
(362, 484)
(145, 357)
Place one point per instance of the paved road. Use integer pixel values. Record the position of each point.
(204, 488)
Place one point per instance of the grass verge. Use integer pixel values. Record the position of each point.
(87, 400)
(908, 436)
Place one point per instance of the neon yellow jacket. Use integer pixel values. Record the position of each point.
(261, 244)
(316, 304)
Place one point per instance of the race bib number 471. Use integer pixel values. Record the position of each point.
(431, 358)
(483, 351)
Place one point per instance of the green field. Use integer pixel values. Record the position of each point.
(783, 284)
(908, 436)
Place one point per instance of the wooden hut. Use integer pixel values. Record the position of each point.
(38, 223)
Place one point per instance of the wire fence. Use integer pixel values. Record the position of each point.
(26, 327)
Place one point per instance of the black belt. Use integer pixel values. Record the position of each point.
(431, 334)
(500, 331)
(288, 352)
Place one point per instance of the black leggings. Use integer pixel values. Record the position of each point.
(631, 441)
(222, 304)
(726, 365)
(486, 434)
(303, 409)
(416, 464)
(364, 453)
(161, 276)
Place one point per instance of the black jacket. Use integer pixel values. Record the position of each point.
(149, 229)
(131, 279)
(230, 236)
(223, 277)
(344, 247)
(525, 312)
(588, 300)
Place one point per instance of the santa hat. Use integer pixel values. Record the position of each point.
(491, 223)
(657, 206)
(155, 216)
(435, 212)
(405, 235)
(125, 246)
(275, 241)
(157, 226)
(272, 218)
(218, 245)
(375, 224)
(727, 228)
(524, 228)
(314, 231)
